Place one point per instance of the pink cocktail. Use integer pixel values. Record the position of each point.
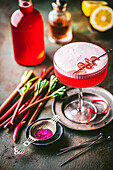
(77, 65)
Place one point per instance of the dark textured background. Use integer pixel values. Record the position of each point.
(100, 157)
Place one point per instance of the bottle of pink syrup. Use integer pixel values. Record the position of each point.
(27, 35)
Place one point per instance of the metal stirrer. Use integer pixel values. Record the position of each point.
(108, 51)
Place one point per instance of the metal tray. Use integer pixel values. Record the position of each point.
(97, 93)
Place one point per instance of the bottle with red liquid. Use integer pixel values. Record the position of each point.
(27, 34)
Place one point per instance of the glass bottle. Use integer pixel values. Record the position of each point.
(27, 34)
(59, 20)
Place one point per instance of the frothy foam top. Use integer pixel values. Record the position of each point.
(67, 57)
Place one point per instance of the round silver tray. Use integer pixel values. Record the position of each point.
(98, 94)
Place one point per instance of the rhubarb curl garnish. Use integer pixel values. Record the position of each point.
(91, 111)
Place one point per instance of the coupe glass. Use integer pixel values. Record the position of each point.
(80, 56)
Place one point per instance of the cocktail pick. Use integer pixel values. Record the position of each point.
(108, 51)
(89, 144)
(64, 150)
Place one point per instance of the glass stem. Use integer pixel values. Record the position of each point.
(80, 99)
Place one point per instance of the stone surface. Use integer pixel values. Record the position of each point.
(99, 157)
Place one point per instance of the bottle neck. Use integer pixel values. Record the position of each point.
(26, 7)
(59, 7)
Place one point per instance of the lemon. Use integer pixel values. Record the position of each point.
(101, 18)
(89, 6)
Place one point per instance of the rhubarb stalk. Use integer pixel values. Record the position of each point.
(59, 92)
(16, 130)
(43, 76)
(36, 112)
(22, 92)
(5, 122)
(9, 112)
(7, 125)
(41, 84)
(24, 79)
(33, 86)
(52, 85)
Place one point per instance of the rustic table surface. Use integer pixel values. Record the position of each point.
(100, 156)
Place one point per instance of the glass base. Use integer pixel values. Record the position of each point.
(72, 112)
(61, 41)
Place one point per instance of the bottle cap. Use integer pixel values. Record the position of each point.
(59, 5)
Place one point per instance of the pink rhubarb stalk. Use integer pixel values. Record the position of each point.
(14, 93)
(9, 112)
(16, 130)
(42, 76)
(17, 108)
(5, 122)
(22, 107)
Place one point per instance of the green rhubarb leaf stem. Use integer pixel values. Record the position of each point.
(40, 86)
(59, 92)
(24, 89)
(22, 92)
(53, 82)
